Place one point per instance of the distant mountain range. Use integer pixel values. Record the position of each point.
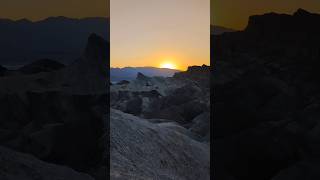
(130, 73)
(217, 30)
(59, 38)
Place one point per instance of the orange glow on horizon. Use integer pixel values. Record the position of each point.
(175, 61)
(168, 65)
(173, 35)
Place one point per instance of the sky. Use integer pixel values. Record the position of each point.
(235, 13)
(40, 9)
(160, 33)
(157, 32)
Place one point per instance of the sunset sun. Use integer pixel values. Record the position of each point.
(168, 65)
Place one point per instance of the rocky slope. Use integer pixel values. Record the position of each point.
(266, 99)
(141, 149)
(161, 128)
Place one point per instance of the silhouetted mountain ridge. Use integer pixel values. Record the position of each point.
(130, 73)
(284, 23)
(60, 38)
(273, 33)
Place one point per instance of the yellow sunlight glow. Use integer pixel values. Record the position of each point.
(168, 65)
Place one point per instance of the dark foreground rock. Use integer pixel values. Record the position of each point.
(15, 165)
(301, 170)
(58, 116)
(3, 71)
(266, 99)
